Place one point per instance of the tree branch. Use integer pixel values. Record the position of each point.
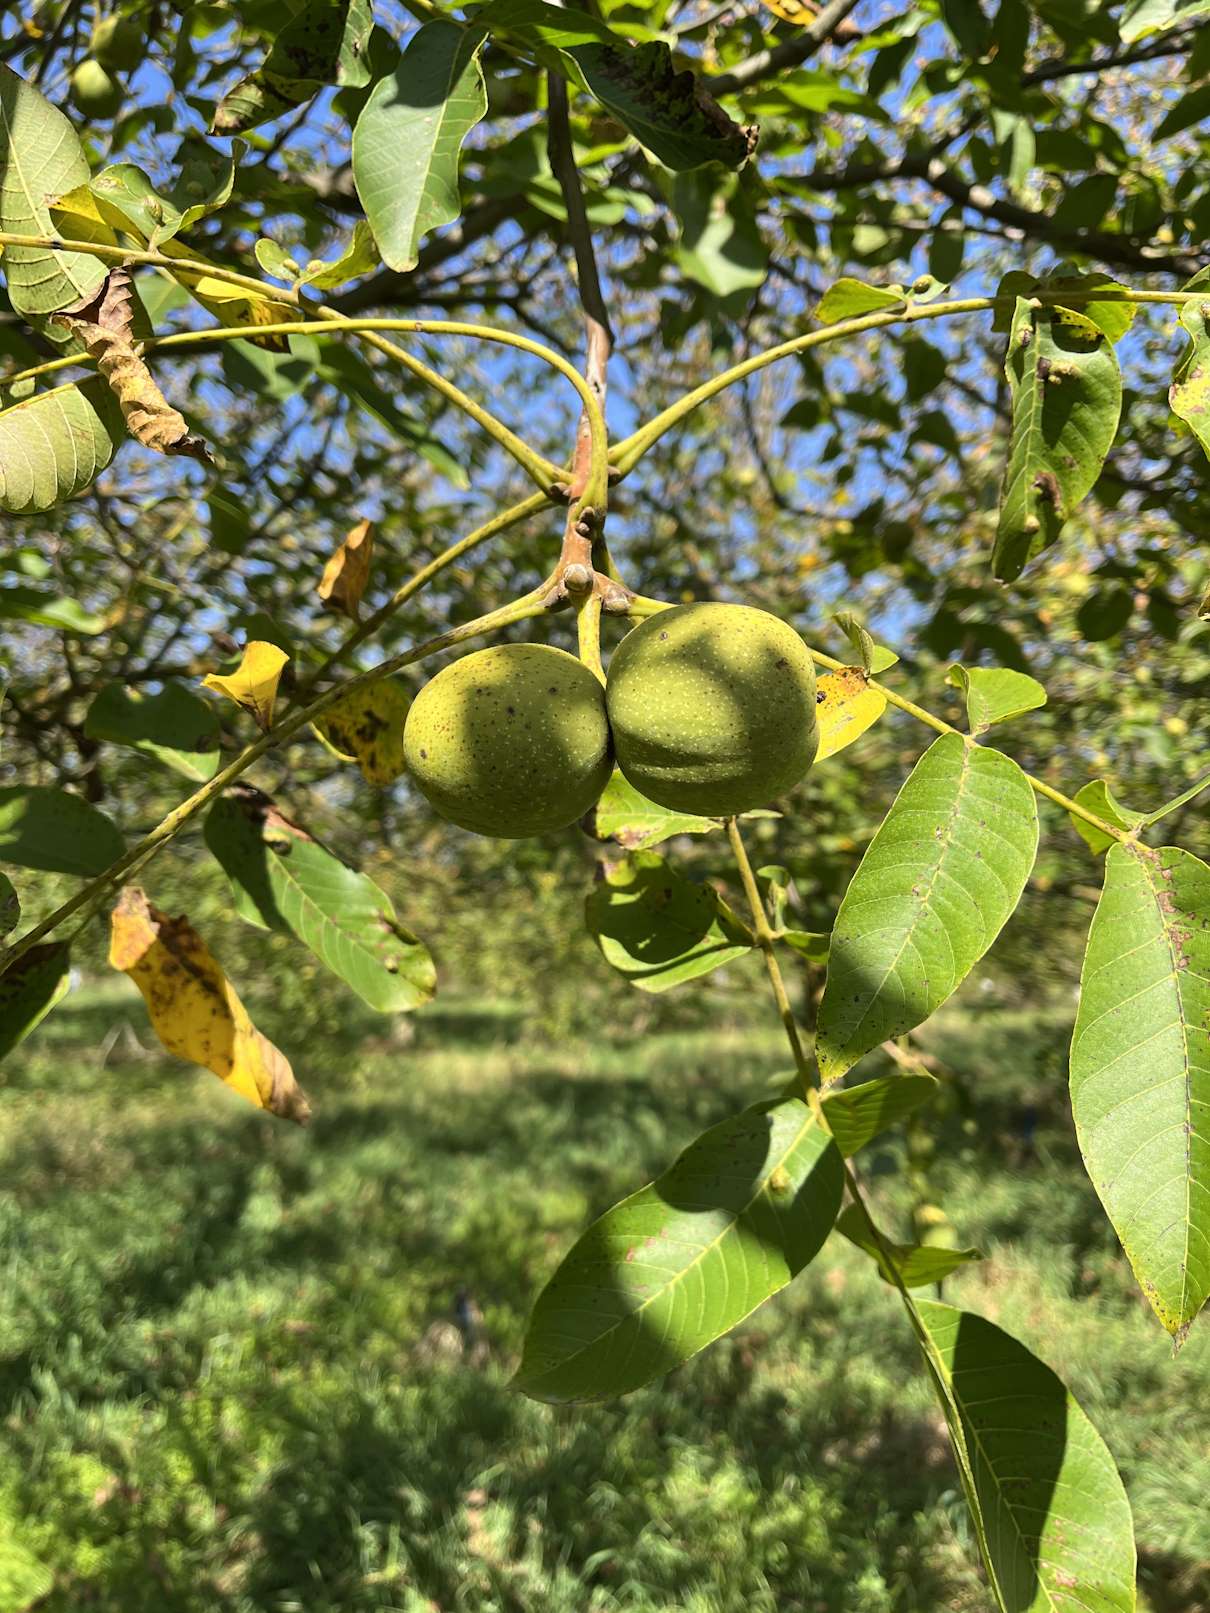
(829, 24)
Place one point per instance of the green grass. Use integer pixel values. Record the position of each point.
(225, 1385)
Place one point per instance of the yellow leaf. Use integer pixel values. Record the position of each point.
(796, 11)
(347, 574)
(366, 726)
(104, 322)
(194, 1009)
(846, 706)
(253, 684)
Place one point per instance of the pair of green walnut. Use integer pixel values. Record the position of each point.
(707, 709)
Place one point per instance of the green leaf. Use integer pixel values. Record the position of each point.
(126, 198)
(1157, 16)
(40, 157)
(813, 945)
(850, 298)
(622, 814)
(720, 241)
(669, 1269)
(325, 43)
(29, 988)
(935, 887)
(284, 880)
(1140, 1071)
(21, 604)
(1097, 798)
(669, 111)
(1189, 394)
(1113, 317)
(660, 929)
(358, 257)
(1066, 392)
(1050, 1509)
(918, 1264)
(873, 658)
(60, 833)
(175, 726)
(856, 1115)
(994, 694)
(56, 444)
(10, 905)
(408, 139)
(1105, 613)
(24, 1581)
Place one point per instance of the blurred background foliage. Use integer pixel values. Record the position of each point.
(951, 138)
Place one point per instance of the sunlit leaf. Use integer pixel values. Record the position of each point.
(347, 574)
(408, 139)
(849, 298)
(194, 1009)
(253, 685)
(667, 1270)
(995, 694)
(935, 887)
(624, 815)
(1189, 393)
(845, 707)
(1098, 799)
(1066, 392)
(1142, 17)
(19, 603)
(1140, 1071)
(55, 444)
(40, 156)
(284, 880)
(658, 928)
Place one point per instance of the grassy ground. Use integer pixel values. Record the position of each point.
(228, 1378)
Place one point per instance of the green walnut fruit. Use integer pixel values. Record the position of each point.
(712, 708)
(510, 741)
(94, 92)
(118, 43)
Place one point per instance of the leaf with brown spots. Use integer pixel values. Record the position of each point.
(253, 684)
(104, 323)
(347, 574)
(366, 726)
(845, 707)
(194, 1009)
